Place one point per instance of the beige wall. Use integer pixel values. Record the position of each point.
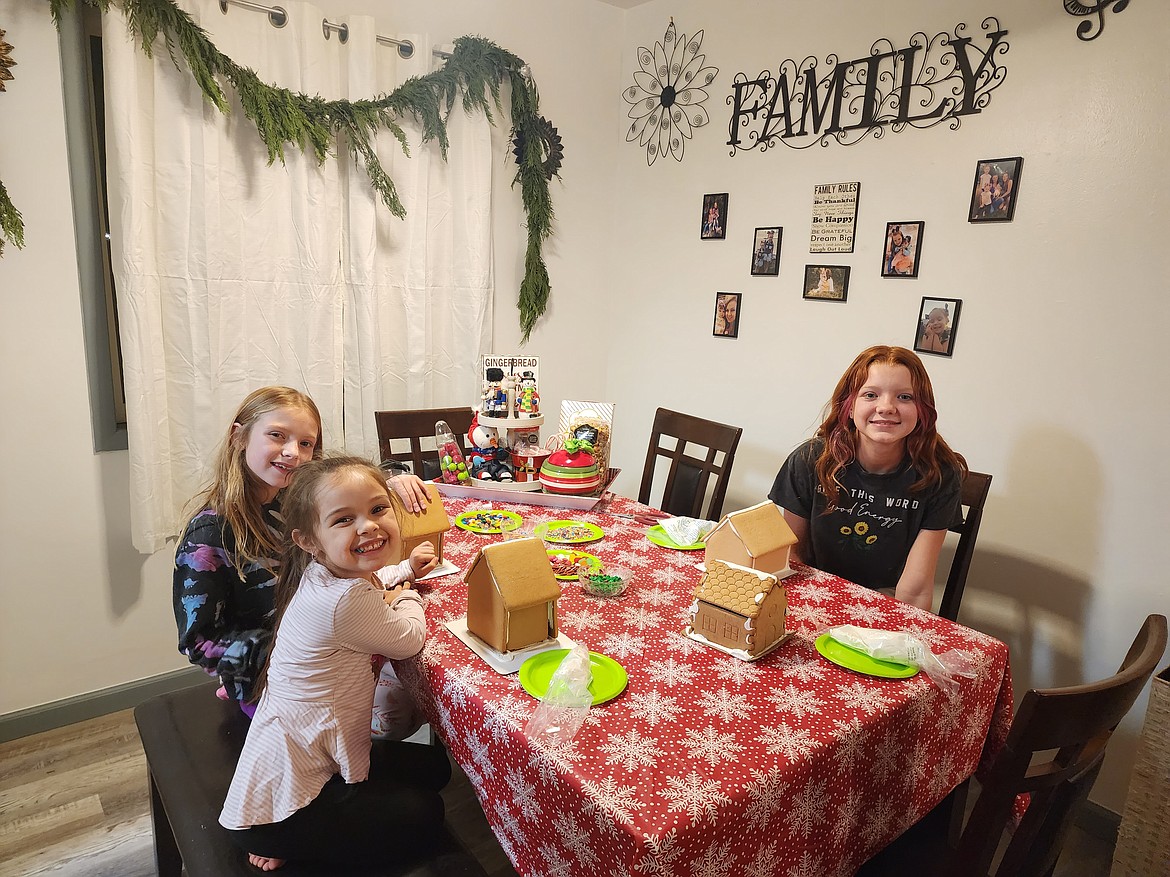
(1057, 382)
(1055, 386)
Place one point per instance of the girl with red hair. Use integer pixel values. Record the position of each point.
(872, 494)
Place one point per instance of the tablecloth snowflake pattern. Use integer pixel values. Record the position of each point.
(706, 766)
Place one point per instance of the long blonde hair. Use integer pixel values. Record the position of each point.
(234, 490)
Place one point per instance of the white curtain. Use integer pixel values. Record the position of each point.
(232, 274)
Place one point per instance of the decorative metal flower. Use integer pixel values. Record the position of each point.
(666, 99)
(6, 62)
(551, 151)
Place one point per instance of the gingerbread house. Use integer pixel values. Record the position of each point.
(738, 610)
(415, 527)
(512, 595)
(757, 537)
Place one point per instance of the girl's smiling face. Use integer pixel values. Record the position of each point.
(729, 311)
(884, 410)
(277, 443)
(936, 321)
(356, 532)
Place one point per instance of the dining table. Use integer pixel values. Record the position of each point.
(706, 765)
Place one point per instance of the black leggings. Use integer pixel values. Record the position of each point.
(396, 812)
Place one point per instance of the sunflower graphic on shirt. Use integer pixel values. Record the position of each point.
(860, 532)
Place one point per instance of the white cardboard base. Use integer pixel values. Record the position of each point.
(735, 653)
(443, 569)
(503, 662)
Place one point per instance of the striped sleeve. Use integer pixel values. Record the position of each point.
(364, 623)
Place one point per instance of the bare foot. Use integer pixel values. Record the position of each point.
(264, 863)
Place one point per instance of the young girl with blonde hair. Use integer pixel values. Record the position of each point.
(226, 559)
(872, 495)
(310, 783)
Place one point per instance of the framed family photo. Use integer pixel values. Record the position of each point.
(714, 222)
(826, 282)
(997, 185)
(937, 322)
(902, 249)
(766, 251)
(727, 314)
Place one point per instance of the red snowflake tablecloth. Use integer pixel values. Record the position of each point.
(706, 766)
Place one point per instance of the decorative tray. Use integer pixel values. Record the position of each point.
(550, 500)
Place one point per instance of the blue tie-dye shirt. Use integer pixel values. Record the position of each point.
(224, 620)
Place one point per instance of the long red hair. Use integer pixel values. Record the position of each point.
(930, 454)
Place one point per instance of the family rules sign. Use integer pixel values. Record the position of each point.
(930, 81)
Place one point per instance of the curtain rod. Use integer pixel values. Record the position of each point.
(278, 16)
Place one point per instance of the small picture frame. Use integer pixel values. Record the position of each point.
(826, 282)
(766, 251)
(714, 223)
(997, 186)
(727, 314)
(938, 320)
(902, 249)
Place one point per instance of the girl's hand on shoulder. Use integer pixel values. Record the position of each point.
(423, 559)
(411, 490)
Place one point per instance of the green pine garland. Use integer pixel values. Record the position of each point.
(477, 68)
(11, 224)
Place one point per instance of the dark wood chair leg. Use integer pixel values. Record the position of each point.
(958, 807)
(166, 852)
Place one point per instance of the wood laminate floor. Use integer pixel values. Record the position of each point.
(73, 803)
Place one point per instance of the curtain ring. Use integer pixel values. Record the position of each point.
(342, 30)
(277, 16)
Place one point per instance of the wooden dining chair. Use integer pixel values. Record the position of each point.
(413, 430)
(1069, 729)
(688, 476)
(976, 486)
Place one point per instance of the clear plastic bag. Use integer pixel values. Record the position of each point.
(565, 705)
(897, 645)
(454, 467)
(686, 531)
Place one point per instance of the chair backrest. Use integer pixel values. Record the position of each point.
(688, 477)
(974, 494)
(1075, 723)
(416, 427)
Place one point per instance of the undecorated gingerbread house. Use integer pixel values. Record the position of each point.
(512, 595)
(757, 537)
(738, 610)
(428, 525)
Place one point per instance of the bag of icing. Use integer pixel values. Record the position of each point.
(565, 705)
(899, 646)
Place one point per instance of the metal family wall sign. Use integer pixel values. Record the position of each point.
(932, 80)
(1085, 28)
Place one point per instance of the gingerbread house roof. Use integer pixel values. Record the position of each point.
(430, 521)
(761, 528)
(521, 571)
(735, 588)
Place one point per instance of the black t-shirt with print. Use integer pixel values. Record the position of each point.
(867, 536)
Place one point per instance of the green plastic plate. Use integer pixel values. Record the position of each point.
(609, 677)
(851, 659)
(548, 532)
(488, 521)
(658, 536)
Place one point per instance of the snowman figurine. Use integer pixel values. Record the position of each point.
(484, 442)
